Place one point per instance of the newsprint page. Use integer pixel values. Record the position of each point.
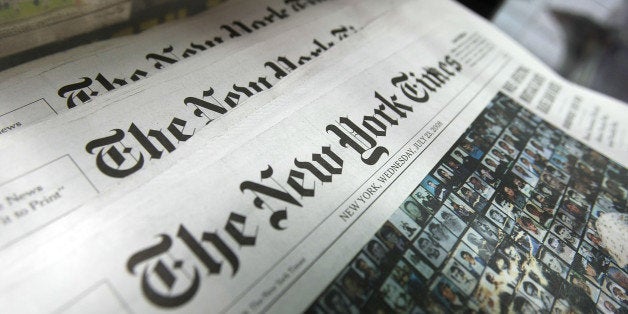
(423, 163)
(45, 88)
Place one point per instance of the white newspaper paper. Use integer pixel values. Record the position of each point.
(273, 205)
(125, 136)
(48, 87)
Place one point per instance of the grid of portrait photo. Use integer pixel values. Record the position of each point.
(505, 222)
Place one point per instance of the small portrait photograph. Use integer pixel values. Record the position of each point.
(554, 263)
(477, 138)
(435, 188)
(461, 170)
(542, 215)
(552, 182)
(562, 162)
(488, 176)
(577, 198)
(579, 281)
(615, 291)
(527, 164)
(448, 294)
(579, 211)
(529, 177)
(557, 174)
(507, 148)
(495, 166)
(595, 159)
(481, 187)
(535, 156)
(617, 275)
(469, 259)
(542, 199)
(460, 276)
(472, 198)
(614, 188)
(451, 221)
(614, 171)
(495, 215)
(392, 238)
(547, 194)
(441, 234)
(499, 155)
(520, 184)
(459, 157)
(537, 294)
(354, 286)
(415, 211)
(459, 154)
(508, 195)
(594, 239)
(608, 305)
(592, 270)
(565, 234)
(334, 301)
(427, 200)
(460, 208)
(444, 174)
(488, 230)
(377, 251)
(419, 263)
(530, 226)
(406, 225)
(478, 244)
(584, 169)
(472, 150)
(576, 225)
(585, 186)
(560, 248)
(429, 248)
(542, 150)
(367, 269)
(395, 296)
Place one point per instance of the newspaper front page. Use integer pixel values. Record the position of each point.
(427, 164)
(132, 136)
(74, 79)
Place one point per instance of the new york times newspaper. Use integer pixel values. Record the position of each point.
(451, 171)
(74, 79)
(132, 135)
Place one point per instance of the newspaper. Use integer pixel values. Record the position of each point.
(131, 140)
(48, 87)
(276, 206)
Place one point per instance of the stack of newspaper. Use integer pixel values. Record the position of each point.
(320, 156)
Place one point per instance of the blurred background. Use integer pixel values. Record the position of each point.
(586, 41)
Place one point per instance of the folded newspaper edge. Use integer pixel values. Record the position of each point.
(322, 149)
(45, 88)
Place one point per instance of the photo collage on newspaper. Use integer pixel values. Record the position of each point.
(504, 222)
